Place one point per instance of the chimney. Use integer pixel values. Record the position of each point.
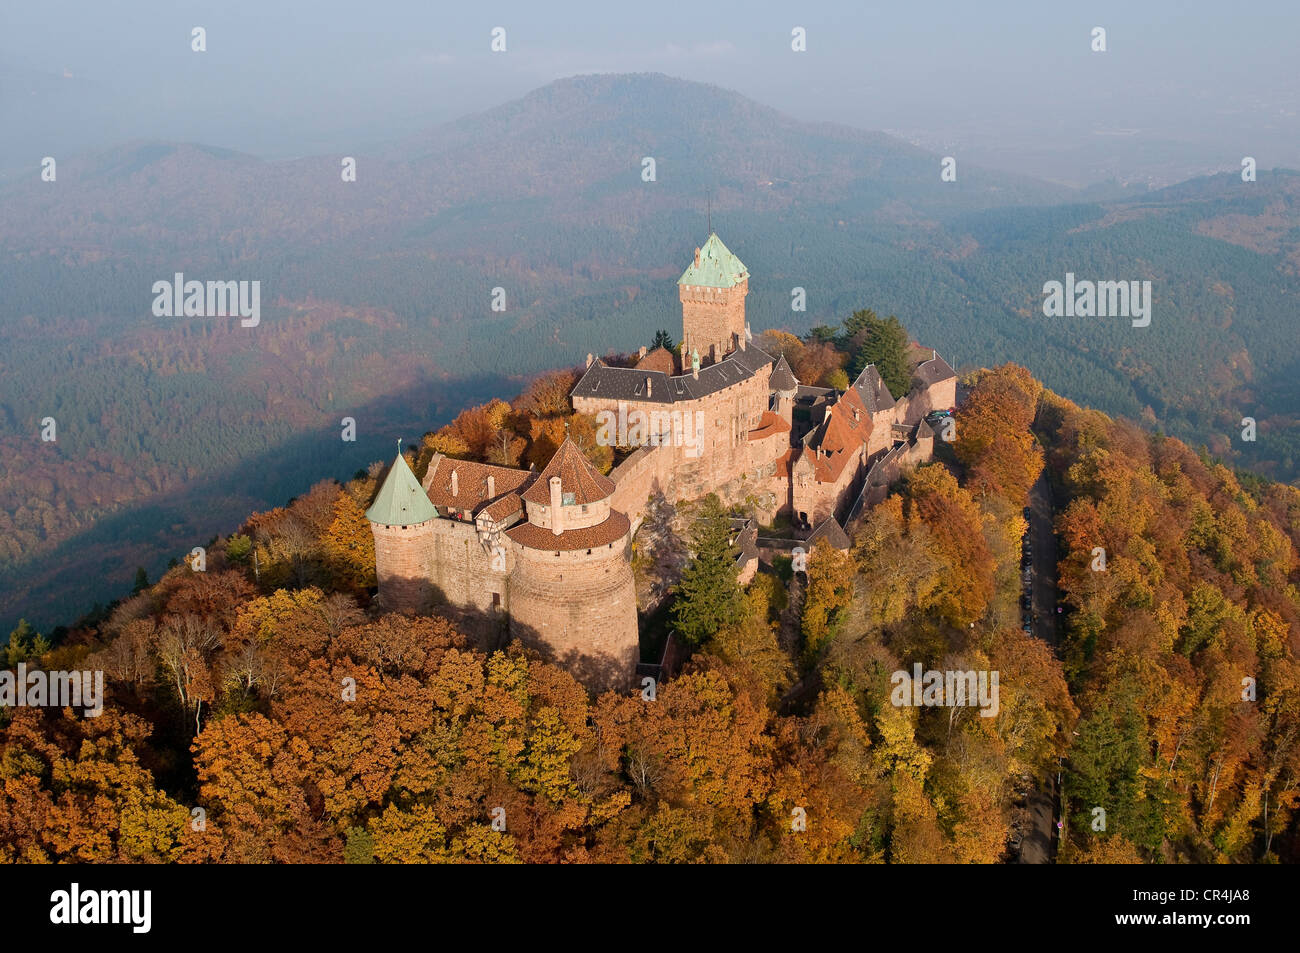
(642, 352)
(697, 258)
(589, 359)
(557, 498)
(647, 384)
(492, 485)
(455, 483)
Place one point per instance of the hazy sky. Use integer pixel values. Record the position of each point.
(1184, 87)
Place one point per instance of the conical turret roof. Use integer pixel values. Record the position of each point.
(577, 477)
(782, 377)
(401, 501)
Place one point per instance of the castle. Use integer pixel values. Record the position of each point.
(548, 553)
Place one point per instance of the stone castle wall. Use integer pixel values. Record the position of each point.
(464, 573)
(644, 474)
(818, 501)
(728, 462)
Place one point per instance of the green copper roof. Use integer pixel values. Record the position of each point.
(718, 267)
(401, 500)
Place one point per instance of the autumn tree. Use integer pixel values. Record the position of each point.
(349, 545)
(748, 649)
(826, 599)
(994, 435)
(955, 526)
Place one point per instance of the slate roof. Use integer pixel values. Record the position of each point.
(745, 540)
(933, 371)
(714, 267)
(577, 477)
(782, 377)
(871, 388)
(401, 501)
(806, 393)
(629, 383)
(832, 532)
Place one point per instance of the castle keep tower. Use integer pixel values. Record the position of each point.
(401, 519)
(571, 590)
(712, 291)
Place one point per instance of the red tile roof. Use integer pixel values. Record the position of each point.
(661, 360)
(770, 423)
(577, 476)
(471, 482)
(587, 537)
(504, 508)
(841, 438)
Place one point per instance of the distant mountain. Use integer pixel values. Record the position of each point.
(376, 297)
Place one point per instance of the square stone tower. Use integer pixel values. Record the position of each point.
(712, 291)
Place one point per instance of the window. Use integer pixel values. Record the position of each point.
(496, 600)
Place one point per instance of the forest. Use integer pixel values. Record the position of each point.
(263, 710)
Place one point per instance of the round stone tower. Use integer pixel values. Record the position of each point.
(401, 519)
(571, 590)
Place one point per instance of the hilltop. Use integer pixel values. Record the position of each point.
(376, 297)
(223, 689)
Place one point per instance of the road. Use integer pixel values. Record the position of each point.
(1038, 845)
(1043, 536)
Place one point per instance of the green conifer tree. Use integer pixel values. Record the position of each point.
(708, 594)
